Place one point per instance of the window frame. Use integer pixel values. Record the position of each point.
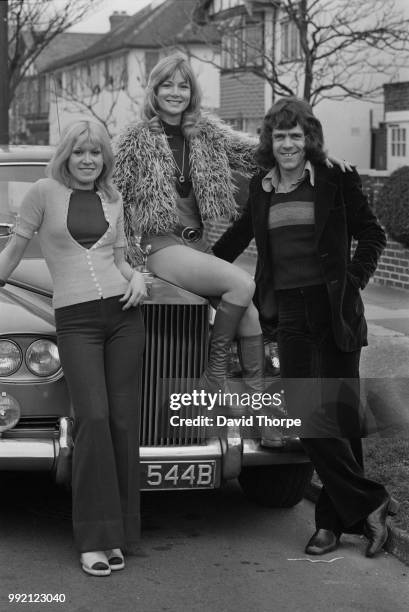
(290, 41)
(398, 141)
(235, 52)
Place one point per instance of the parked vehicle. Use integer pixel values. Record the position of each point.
(35, 411)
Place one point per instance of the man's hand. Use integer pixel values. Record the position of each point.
(344, 165)
(136, 291)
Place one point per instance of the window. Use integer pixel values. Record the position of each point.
(32, 106)
(232, 44)
(116, 72)
(242, 43)
(398, 142)
(70, 82)
(254, 44)
(56, 87)
(290, 42)
(151, 59)
(95, 76)
(43, 94)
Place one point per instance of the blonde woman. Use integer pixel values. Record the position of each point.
(78, 215)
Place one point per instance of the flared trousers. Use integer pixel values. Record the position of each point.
(308, 352)
(101, 349)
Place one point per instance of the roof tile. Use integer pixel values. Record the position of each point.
(63, 45)
(152, 27)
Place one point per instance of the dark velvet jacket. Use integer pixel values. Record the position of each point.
(342, 212)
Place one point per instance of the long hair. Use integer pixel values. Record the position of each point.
(95, 133)
(286, 114)
(165, 69)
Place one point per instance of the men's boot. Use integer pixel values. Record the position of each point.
(250, 351)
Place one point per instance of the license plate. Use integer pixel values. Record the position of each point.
(178, 475)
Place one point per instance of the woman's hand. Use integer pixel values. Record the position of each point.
(344, 165)
(136, 291)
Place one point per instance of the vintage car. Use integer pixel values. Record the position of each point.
(35, 411)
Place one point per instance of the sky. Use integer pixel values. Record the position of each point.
(98, 20)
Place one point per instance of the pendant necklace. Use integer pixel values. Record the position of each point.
(181, 177)
(181, 171)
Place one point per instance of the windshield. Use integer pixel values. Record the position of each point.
(15, 180)
(14, 183)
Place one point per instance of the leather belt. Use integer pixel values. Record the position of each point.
(190, 234)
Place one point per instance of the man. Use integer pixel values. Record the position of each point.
(303, 216)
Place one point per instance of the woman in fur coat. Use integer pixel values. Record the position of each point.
(174, 171)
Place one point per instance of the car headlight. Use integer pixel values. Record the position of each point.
(42, 358)
(10, 357)
(9, 411)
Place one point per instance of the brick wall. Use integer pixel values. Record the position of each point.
(393, 267)
(396, 96)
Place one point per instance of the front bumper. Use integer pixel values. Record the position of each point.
(53, 454)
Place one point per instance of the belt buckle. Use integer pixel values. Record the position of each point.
(191, 234)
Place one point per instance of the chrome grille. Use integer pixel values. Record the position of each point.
(37, 422)
(175, 354)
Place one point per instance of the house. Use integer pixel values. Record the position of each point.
(247, 32)
(30, 106)
(261, 43)
(107, 80)
(396, 101)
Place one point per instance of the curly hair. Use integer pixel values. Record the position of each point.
(286, 114)
(165, 69)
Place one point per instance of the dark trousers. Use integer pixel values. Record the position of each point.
(307, 350)
(101, 349)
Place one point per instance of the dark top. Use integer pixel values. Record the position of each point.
(291, 229)
(85, 220)
(188, 211)
(175, 138)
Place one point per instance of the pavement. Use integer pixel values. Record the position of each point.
(386, 308)
(213, 551)
(387, 315)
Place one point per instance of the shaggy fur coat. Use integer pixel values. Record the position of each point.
(144, 174)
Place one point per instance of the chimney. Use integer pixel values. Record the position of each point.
(116, 18)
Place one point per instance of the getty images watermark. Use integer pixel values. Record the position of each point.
(217, 401)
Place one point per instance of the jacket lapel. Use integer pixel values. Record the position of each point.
(325, 191)
(260, 218)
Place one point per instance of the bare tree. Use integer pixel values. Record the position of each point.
(4, 93)
(316, 49)
(32, 25)
(90, 88)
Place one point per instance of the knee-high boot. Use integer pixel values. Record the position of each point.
(250, 351)
(226, 322)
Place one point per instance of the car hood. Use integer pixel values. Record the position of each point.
(25, 302)
(34, 274)
(23, 312)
